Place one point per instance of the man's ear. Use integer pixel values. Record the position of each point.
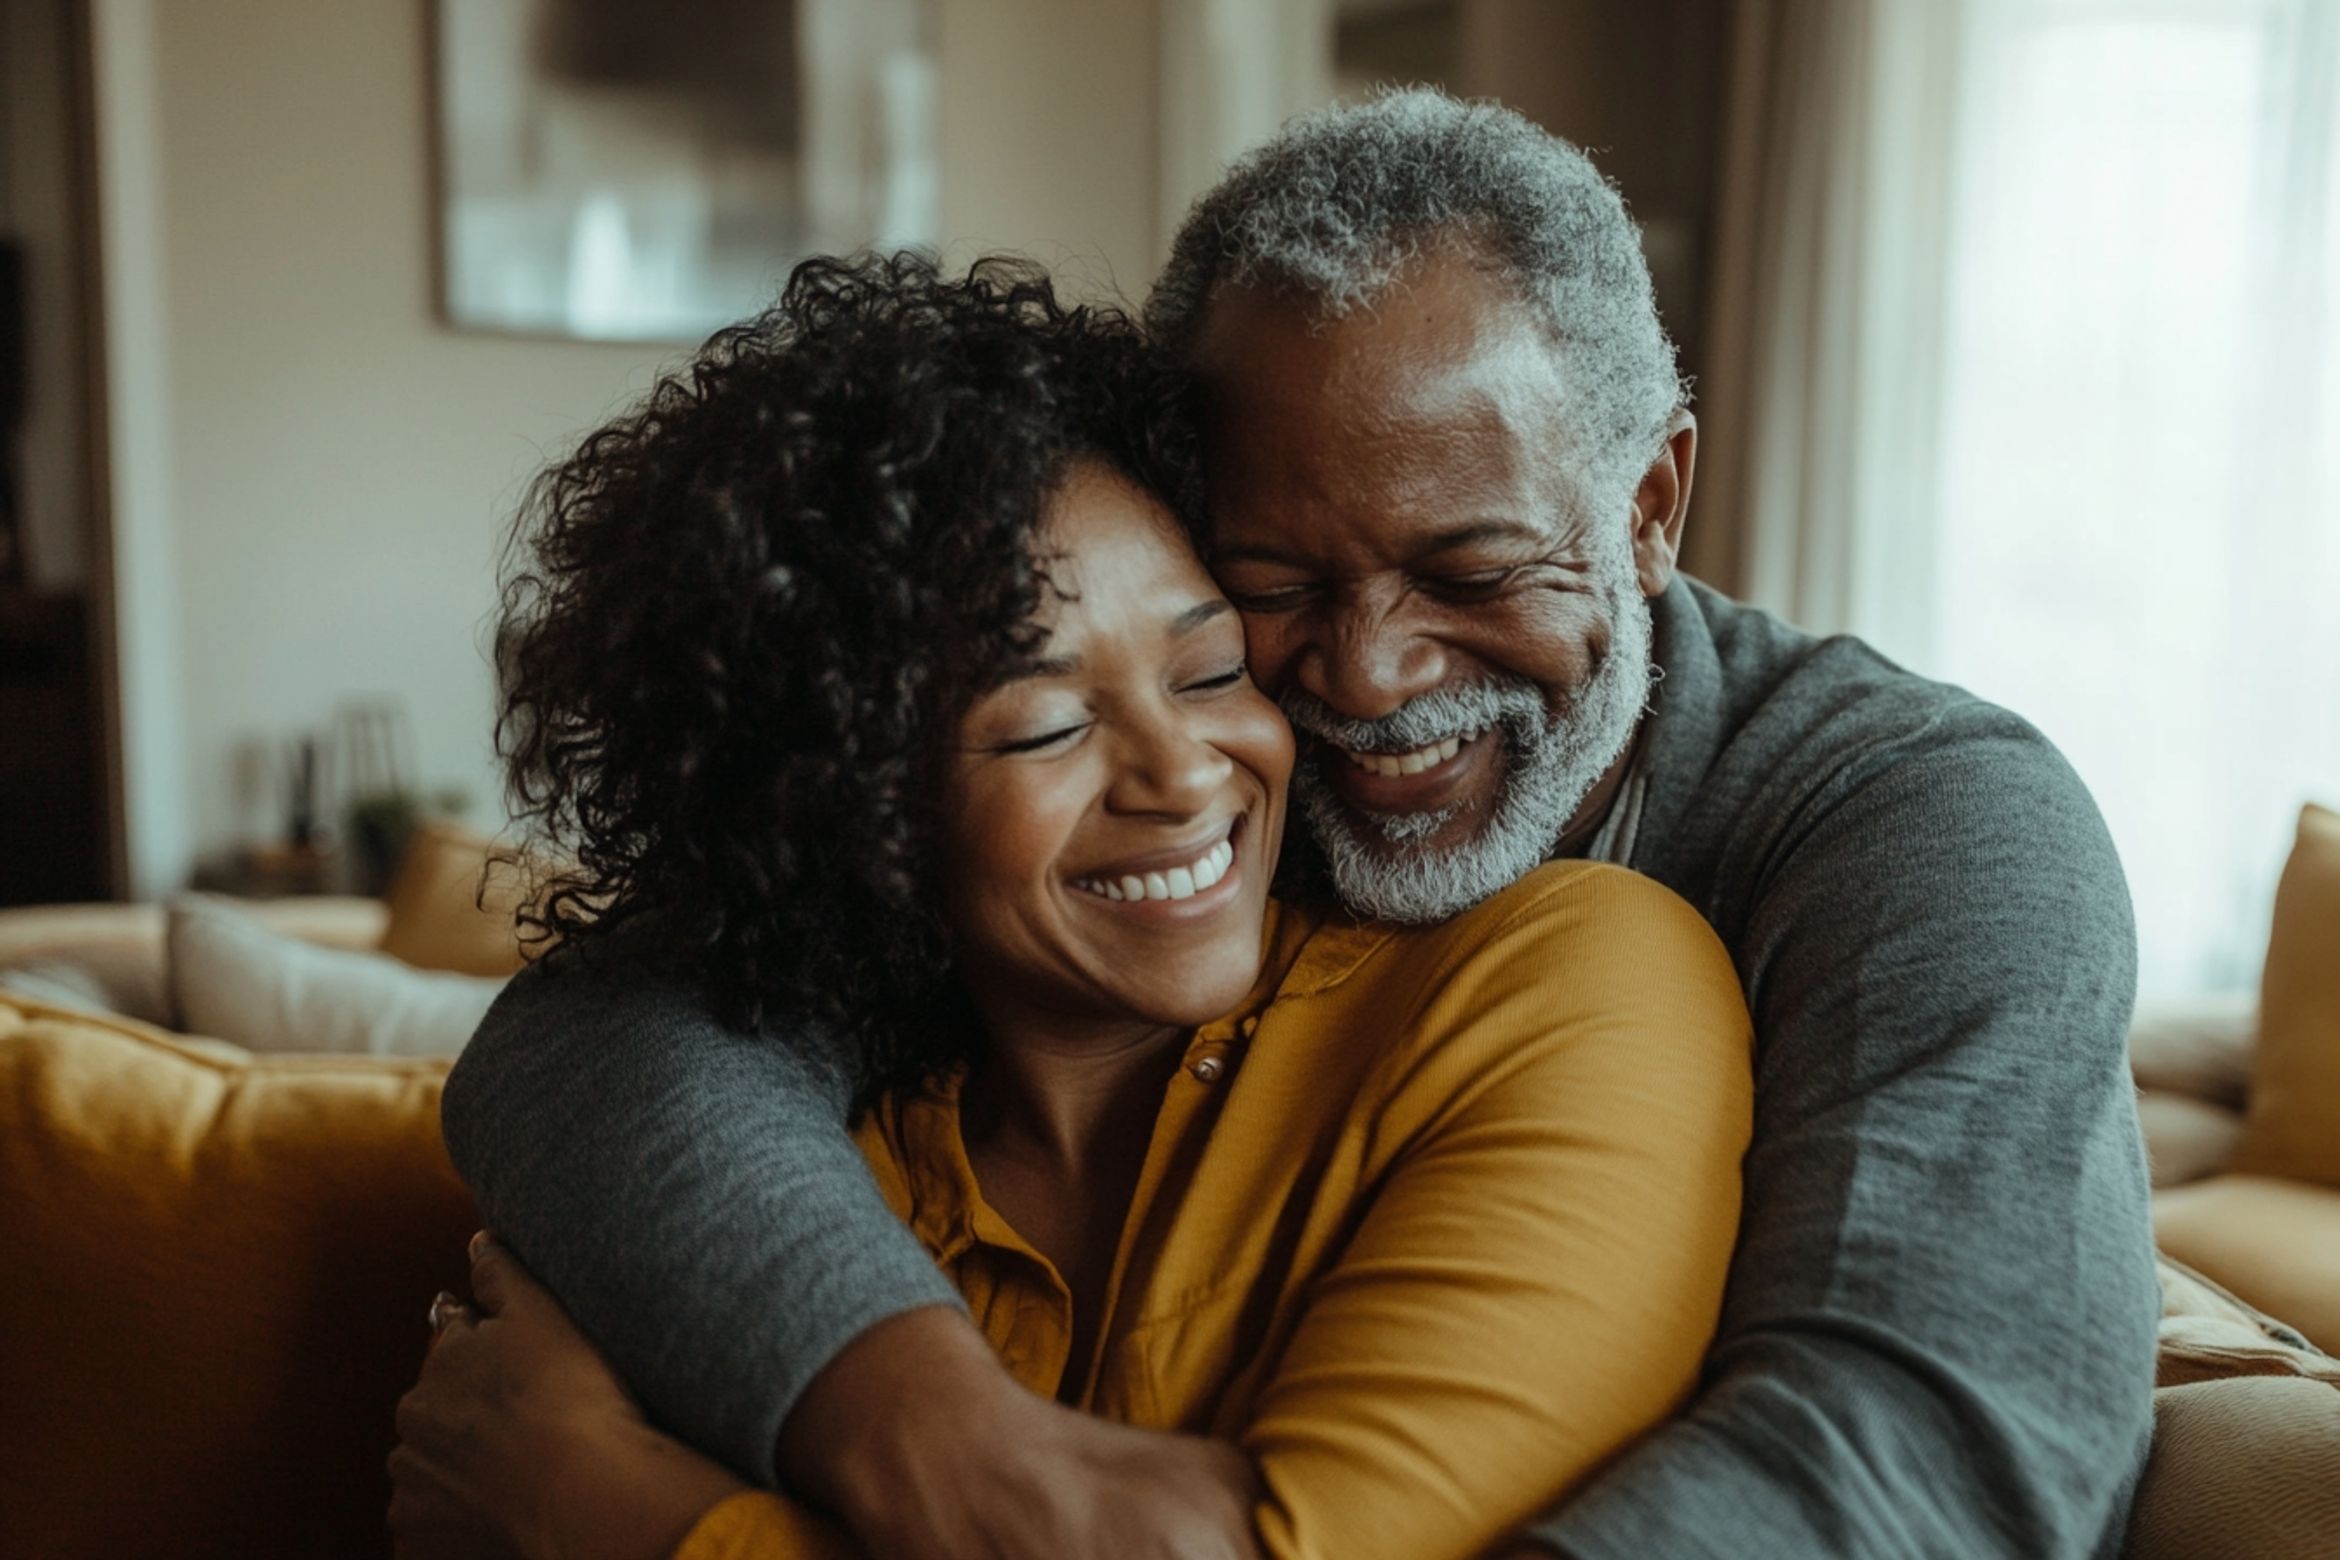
(1662, 503)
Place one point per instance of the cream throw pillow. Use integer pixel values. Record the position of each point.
(233, 979)
(2293, 1129)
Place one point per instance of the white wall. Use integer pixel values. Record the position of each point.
(1048, 135)
(1232, 71)
(310, 473)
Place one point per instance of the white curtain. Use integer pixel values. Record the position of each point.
(1817, 409)
(2040, 391)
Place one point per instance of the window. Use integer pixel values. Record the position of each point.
(2136, 530)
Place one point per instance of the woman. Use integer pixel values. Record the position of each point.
(869, 676)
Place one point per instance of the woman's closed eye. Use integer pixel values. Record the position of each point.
(1050, 737)
(1060, 736)
(1226, 679)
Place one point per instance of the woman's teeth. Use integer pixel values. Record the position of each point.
(1177, 883)
(1418, 760)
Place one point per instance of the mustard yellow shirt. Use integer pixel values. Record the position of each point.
(1433, 1226)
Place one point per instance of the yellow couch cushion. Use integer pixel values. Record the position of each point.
(2293, 1128)
(216, 1272)
(2274, 1242)
(439, 919)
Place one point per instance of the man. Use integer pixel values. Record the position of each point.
(1448, 466)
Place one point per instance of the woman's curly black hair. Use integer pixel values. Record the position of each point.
(741, 622)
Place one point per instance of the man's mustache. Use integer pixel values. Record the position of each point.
(1455, 711)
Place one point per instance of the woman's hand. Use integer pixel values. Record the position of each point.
(520, 1439)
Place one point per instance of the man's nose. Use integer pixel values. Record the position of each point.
(1366, 661)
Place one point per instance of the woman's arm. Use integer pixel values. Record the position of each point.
(719, 1236)
(1532, 1287)
(722, 1240)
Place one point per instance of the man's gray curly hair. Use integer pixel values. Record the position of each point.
(1341, 199)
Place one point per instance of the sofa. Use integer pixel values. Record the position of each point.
(2240, 1102)
(220, 1258)
(2266, 1231)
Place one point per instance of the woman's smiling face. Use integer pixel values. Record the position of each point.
(1116, 807)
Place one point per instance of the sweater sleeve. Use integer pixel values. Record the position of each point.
(1939, 1333)
(1537, 1272)
(688, 1191)
(1539, 1269)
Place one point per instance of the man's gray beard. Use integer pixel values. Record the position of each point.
(1381, 866)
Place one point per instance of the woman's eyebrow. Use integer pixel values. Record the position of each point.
(1185, 623)
(1197, 615)
(1044, 666)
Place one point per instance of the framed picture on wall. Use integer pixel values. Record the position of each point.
(613, 171)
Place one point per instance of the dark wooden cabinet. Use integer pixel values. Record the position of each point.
(52, 773)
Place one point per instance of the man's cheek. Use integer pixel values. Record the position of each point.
(1554, 639)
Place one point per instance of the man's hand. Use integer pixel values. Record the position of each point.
(920, 1441)
(520, 1439)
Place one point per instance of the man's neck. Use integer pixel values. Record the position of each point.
(1594, 811)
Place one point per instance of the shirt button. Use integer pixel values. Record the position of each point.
(1207, 1069)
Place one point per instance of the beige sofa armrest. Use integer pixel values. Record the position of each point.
(2186, 1138)
(44, 932)
(2191, 1058)
(110, 956)
(2197, 1046)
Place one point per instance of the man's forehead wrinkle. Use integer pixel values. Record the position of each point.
(1458, 362)
(1439, 470)
(1341, 493)
(1458, 446)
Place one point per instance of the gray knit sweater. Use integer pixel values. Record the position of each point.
(1939, 1331)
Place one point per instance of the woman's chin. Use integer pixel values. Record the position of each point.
(1189, 995)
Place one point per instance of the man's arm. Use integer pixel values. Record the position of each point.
(1532, 1279)
(1938, 1337)
(692, 1197)
(689, 1192)
(1532, 1282)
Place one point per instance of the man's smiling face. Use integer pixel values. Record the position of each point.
(1459, 635)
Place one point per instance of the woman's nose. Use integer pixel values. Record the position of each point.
(1168, 768)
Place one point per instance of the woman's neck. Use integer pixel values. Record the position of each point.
(1066, 1096)
(1056, 1123)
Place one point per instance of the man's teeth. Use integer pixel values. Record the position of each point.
(1177, 883)
(1418, 760)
